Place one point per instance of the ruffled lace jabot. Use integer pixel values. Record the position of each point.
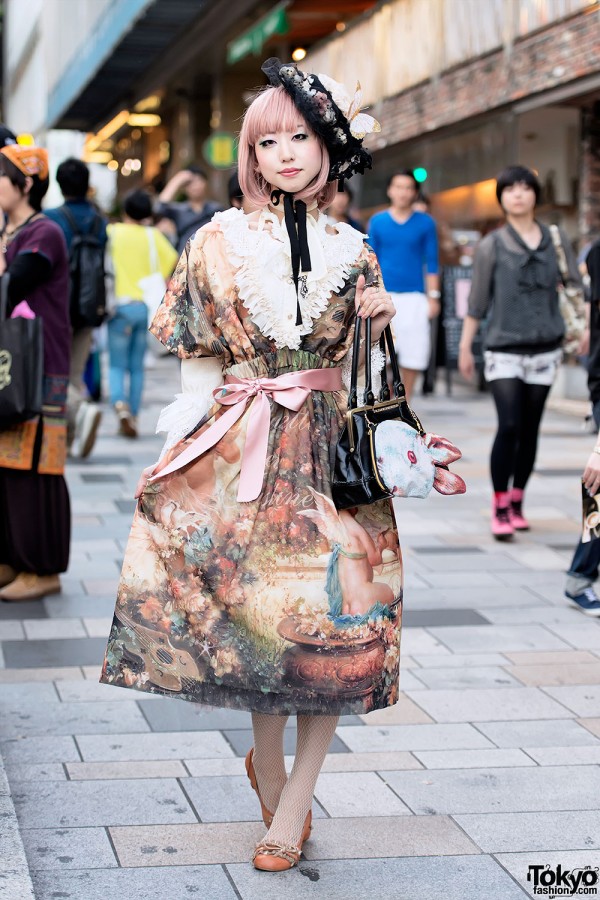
(261, 257)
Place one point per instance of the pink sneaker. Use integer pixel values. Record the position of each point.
(502, 527)
(518, 520)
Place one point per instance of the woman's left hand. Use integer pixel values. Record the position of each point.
(376, 303)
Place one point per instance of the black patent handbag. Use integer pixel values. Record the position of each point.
(356, 478)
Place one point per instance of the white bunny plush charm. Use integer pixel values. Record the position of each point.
(411, 464)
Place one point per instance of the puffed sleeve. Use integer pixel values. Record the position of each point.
(372, 272)
(188, 320)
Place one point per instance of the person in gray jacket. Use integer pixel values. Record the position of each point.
(194, 212)
(515, 279)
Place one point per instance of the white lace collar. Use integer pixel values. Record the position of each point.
(263, 271)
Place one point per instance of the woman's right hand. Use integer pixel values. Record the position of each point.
(591, 474)
(466, 363)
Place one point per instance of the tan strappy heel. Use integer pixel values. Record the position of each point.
(267, 816)
(272, 857)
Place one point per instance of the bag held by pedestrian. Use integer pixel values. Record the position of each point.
(571, 300)
(87, 303)
(383, 451)
(153, 286)
(21, 364)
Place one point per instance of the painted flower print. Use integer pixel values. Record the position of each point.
(282, 604)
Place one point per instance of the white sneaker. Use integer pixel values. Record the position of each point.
(86, 429)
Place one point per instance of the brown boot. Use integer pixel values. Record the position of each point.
(7, 574)
(28, 586)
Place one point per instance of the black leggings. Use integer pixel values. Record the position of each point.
(519, 407)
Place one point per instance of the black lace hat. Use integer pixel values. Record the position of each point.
(331, 114)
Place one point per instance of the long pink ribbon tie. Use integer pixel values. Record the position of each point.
(289, 390)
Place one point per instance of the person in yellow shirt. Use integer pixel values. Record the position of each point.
(141, 259)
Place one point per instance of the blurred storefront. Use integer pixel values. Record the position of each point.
(464, 87)
(153, 85)
(461, 87)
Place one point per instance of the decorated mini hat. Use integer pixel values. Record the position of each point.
(28, 160)
(331, 113)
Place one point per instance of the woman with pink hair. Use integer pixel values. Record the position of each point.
(242, 585)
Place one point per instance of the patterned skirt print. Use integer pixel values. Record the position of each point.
(280, 605)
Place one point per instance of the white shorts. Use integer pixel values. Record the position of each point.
(411, 330)
(535, 368)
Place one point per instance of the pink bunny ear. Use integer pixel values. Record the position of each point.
(446, 482)
(443, 451)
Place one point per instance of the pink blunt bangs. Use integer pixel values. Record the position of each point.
(274, 110)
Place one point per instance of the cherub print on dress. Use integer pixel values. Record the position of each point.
(356, 558)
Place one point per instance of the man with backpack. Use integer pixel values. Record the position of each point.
(85, 233)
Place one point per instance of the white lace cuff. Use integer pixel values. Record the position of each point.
(199, 378)
(377, 363)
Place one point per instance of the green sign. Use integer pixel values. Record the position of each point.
(253, 40)
(220, 150)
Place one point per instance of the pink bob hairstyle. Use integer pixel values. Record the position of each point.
(274, 110)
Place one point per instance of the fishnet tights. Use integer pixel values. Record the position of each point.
(314, 737)
(268, 759)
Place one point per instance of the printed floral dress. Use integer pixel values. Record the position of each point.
(247, 605)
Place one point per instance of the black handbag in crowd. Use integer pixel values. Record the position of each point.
(21, 364)
(383, 451)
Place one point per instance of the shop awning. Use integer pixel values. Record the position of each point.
(106, 70)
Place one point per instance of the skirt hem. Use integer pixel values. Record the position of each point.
(256, 701)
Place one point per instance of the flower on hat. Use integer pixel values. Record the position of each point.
(361, 124)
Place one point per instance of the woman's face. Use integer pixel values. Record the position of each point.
(10, 195)
(518, 199)
(289, 160)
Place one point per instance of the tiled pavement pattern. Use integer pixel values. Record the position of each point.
(490, 762)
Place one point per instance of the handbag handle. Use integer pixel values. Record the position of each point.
(4, 279)
(369, 397)
(384, 394)
(386, 339)
(353, 393)
(399, 390)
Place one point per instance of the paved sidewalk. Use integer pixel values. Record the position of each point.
(489, 763)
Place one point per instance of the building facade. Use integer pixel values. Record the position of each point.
(464, 87)
(148, 86)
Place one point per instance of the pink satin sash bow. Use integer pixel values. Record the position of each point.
(290, 390)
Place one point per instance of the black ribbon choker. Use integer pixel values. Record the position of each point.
(294, 213)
